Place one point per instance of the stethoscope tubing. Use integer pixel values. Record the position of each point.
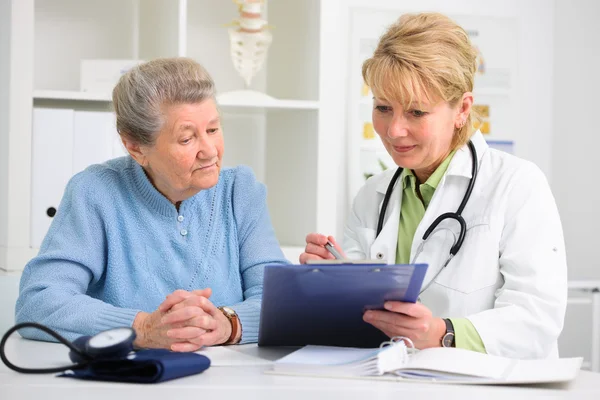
(41, 370)
(457, 216)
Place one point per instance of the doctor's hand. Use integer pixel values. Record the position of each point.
(315, 248)
(410, 320)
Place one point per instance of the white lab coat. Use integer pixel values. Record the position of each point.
(510, 276)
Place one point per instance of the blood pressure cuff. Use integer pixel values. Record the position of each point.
(145, 366)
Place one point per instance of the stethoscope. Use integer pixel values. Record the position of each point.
(457, 216)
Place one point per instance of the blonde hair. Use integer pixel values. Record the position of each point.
(143, 91)
(424, 56)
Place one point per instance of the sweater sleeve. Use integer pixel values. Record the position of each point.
(258, 247)
(72, 256)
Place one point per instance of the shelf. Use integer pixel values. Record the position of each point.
(251, 98)
(70, 95)
(584, 285)
(11, 272)
(242, 98)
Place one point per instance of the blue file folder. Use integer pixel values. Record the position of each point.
(324, 304)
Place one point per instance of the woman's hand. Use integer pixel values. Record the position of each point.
(183, 322)
(410, 320)
(198, 322)
(315, 248)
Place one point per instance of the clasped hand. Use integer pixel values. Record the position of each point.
(185, 321)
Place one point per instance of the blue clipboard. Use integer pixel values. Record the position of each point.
(323, 304)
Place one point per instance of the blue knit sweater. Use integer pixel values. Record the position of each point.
(117, 246)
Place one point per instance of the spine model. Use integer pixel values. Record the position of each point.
(250, 39)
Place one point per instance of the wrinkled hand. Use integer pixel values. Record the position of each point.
(203, 324)
(185, 321)
(413, 321)
(315, 248)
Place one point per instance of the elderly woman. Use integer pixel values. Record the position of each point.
(501, 288)
(164, 240)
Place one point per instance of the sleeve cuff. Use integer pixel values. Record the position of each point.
(249, 314)
(115, 317)
(466, 336)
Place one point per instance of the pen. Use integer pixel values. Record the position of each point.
(330, 248)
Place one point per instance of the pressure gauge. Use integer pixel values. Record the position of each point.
(111, 342)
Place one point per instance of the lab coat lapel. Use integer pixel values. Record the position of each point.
(384, 246)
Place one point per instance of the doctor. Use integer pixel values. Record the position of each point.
(484, 221)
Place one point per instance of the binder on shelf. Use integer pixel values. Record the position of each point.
(94, 136)
(398, 362)
(51, 164)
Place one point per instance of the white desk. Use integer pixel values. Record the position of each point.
(249, 382)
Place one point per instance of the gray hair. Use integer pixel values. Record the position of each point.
(142, 93)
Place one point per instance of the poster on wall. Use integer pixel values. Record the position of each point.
(496, 42)
(495, 39)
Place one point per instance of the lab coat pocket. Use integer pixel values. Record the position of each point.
(475, 267)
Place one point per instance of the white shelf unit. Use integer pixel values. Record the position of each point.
(232, 99)
(286, 136)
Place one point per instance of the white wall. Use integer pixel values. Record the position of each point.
(575, 152)
(577, 132)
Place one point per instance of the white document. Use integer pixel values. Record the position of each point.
(229, 356)
(448, 365)
(51, 166)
